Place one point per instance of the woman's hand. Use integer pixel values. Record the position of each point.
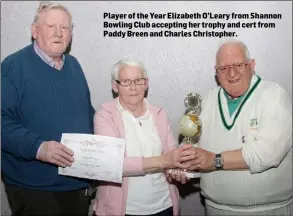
(175, 157)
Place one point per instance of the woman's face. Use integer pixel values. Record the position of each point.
(132, 94)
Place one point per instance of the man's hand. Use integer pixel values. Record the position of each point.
(173, 158)
(199, 159)
(55, 153)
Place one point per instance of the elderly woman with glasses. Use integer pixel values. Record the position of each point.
(150, 148)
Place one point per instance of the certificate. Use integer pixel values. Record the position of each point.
(95, 157)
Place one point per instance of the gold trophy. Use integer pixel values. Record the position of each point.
(190, 124)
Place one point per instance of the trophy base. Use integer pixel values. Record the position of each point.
(192, 174)
(187, 174)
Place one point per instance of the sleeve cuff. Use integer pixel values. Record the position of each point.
(251, 159)
(35, 148)
(133, 166)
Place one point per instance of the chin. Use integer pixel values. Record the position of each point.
(234, 90)
(135, 101)
(58, 53)
(236, 94)
(59, 50)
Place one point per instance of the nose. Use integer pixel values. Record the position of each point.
(232, 72)
(57, 31)
(132, 85)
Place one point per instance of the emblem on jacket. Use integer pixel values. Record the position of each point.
(253, 124)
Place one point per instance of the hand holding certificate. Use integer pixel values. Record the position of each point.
(95, 157)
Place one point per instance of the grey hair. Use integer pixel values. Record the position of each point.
(46, 6)
(233, 41)
(122, 63)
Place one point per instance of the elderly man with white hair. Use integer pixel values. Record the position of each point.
(245, 150)
(150, 148)
(44, 94)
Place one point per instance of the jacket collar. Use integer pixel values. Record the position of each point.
(111, 107)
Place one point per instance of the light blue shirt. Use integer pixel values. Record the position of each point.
(45, 57)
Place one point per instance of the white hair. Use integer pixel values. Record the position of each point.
(122, 63)
(233, 41)
(46, 6)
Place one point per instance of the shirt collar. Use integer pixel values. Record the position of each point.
(47, 59)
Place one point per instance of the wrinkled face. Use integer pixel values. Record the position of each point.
(132, 94)
(234, 70)
(52, 32)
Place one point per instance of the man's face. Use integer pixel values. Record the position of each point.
(52, 32)
(132, 94)
(234, 70)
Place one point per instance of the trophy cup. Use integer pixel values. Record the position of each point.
(190, 124)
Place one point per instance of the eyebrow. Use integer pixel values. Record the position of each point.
(243, 62)
(133, 79)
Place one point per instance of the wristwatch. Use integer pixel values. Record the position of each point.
(218, 162)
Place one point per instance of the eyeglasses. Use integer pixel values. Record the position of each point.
(240, 68)
(127, 82)
(63, 28)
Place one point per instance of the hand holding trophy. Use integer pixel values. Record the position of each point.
(190, 124)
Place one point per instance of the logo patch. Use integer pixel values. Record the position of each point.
(253, 124)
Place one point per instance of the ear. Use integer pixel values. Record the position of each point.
(215, 67)
(147, 84)
(115, 87)
(252, 65)
(34, 31)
